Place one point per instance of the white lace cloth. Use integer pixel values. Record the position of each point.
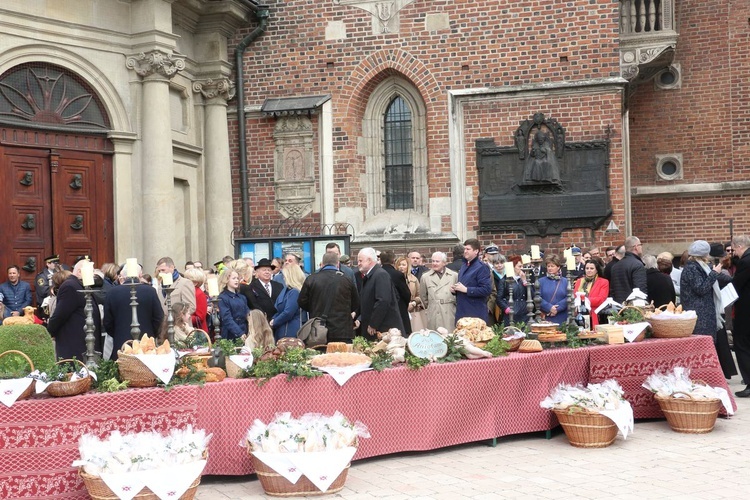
(321, 468)
(167, 483)
(11, 389)
(161, 365)
(341, 374)
(630, 332)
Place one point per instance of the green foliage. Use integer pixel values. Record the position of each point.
(293, 362)
(497, 346)
(228, 347)
(105, 371)
(381, 360)
(361, 344)
(111, 385)
(456, 349)
(415, 362)
(191, 375)
(628, 315)
(32, 340)
(13, 365)
(196, 338)
(62, 371)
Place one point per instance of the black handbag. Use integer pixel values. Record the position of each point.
(314, 333)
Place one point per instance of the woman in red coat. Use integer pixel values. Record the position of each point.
(198, 317)
(594, 286)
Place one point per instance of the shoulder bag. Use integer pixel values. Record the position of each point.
(314, 333)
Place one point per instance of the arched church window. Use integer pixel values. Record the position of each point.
(42, 95)
(399, 180)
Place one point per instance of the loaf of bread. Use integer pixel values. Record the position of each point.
(530, 346)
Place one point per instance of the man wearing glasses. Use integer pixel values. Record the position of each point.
(629, 273)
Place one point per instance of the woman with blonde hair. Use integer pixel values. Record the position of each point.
(198, 318)
(233, 307)
(289, 316)
(259, 332)
(404, 265)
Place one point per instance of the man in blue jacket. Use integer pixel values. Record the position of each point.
(15, 293)
(474, 284)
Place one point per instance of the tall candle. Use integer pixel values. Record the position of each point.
(571, 263)
(131, 267)
(166, 279)
(535, 252)
(525, 259)
(213, 286)
(567, 253)
(509, 271)
(87, 273)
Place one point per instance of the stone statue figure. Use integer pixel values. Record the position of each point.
(541, 166)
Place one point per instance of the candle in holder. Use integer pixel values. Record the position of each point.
(567, 253)
(166, 279)
(131, 267)
(87, 273)
(525, 259)
(571, 263)
(213, 287)
(509, 271)
(535, 255)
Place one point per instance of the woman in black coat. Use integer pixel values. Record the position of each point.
(700, 289)
(660, 287)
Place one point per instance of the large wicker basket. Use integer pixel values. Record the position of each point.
(30, 389)
(689, 415)
(136, 373)
(98, 489)
(199, 360)
(585, 428)
(672, 328)
(233, 369)
(276, 485)
(68, 388)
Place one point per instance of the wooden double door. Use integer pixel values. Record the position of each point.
(57, 201)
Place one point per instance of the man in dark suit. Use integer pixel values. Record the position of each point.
(316, 292)
(118, 313)
(458, 258)
(402, 288)
(262, 292)
(417, 269)
(741, 326)
(378, 302)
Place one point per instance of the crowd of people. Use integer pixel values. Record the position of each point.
(267, 300)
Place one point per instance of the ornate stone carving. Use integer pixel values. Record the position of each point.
(384, 13)
(210, 89)
(293, 165)
(156, 62)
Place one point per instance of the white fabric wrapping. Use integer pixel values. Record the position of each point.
(125, 486)
(622, 417)
(161, 365)
(281, 463)
(242, 360)
(321, 468)
(173, 482)
(630, 332)
(11, 389)
(341, 374)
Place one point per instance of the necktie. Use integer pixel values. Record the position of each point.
(268, 288)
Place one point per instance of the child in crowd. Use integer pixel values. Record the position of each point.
(259, 332)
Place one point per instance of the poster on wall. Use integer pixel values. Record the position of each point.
(320, 248)
(301, 248)
(255, 251)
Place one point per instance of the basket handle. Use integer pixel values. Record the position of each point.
(205, 335)
(683, 393)
(88, 372)
(577, 409)
(28, 359)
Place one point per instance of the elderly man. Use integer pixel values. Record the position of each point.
(184, 291)
(378, 302)
(474, 284)
(330, 288)
(118, 313)
(435, 292)
(741, 330)
(15, 293)
(629, 273)
(262, 291)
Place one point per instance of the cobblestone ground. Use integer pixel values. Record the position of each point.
(654, 462)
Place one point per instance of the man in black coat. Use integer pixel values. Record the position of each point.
(118, 313)
(262, 292)
(402, 288)
(66, 325)
(378, 302)
(616, 257)
(741, 326)
(417, 269)
(458, 259)
(629, 273)
(660, 287)
(331, 284)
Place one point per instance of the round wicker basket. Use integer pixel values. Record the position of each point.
(671, 328)
(276, 485)
(199, 360)
(67, 388)
(689, 415)
(586, 428)
(30, 389)
(136, 373)
(98, 489)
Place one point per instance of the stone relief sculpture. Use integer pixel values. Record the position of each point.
(541, 166)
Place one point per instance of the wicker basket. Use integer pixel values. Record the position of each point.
(98, 489)
(233, 369)
(68, 388)
(585, 428)
(514, 343)
(643, 310)
(136, 373)
(671, 328)
(689, 415)
(276, 485)
(199, 360)
(30, 389)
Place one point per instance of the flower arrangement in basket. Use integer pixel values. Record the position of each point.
(591, 415)
(305, 456)
(690, 406)
(16, 382)
(144, 464)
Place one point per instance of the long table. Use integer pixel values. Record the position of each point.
(437, 406)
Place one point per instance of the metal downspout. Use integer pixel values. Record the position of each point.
(262, 14)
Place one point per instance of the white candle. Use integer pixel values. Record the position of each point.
(525, 259)
(131, 267)
(87, 273)
(567, 253)
(509, 271)
(571, 263)
(166, 279)
(213, 286)
(535, 252)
